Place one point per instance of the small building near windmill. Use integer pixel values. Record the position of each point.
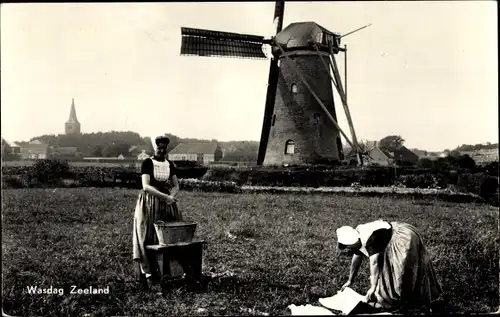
(403, 156)
(374, 155)
(203, 153)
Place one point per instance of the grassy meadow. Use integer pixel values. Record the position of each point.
(282, 250)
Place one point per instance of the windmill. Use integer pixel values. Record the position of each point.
(300, 121)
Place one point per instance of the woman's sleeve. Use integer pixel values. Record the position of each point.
(147, 167)
(173, 168)
(378, 241)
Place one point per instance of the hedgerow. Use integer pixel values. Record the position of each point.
(193, 177)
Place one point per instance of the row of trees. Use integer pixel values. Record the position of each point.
(102, 144)
(476, 147)
(449, 162)
(392, 142)
(114, 143)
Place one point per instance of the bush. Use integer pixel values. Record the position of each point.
(303, 176)
(16, 170)
(50, 171)
(13, 182)
(207, 186)
(489, 190)
(471, 183)
(95, 176)
(425, 163)
(491, 169)
(186, 163)
(191, 172)
(457, 161)
(60, 173)
(419, 181)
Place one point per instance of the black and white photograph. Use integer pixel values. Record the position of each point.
(254, 158)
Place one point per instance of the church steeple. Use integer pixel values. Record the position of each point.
(72, 114)
(72, 126)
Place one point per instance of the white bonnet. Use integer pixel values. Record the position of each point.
(347, 235)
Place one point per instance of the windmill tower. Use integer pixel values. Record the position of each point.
(300, 120)
(72, 126)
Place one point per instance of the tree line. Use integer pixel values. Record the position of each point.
(115, 143)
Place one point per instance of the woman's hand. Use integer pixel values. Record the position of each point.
(345, 285)
(170, 199)
(370, 295)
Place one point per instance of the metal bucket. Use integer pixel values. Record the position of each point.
(175, 232)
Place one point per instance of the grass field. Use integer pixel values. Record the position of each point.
(284, 251)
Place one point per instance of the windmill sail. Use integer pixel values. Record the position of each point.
(279, 9)
(221, 44)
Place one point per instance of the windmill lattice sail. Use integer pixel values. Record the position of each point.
(201, 42)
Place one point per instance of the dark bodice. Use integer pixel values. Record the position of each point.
(376, 241)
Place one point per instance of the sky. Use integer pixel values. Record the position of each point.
(424, 70)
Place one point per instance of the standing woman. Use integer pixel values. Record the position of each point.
(401, 272)
(156, 201)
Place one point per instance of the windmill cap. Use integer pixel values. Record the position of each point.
(300, 34)
(347, 235)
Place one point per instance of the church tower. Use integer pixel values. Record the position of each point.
(72, 126)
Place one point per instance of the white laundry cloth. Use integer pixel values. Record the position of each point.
(309, 310)
(344, 301)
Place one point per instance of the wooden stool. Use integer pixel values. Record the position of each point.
(178, 260)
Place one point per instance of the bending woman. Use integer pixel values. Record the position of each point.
(156, 201)
(401, 273)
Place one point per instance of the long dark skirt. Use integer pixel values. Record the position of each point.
(148, 210)
(407, 278)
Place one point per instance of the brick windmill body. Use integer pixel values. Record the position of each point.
(300, 121)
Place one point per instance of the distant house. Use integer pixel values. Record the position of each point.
(142, 156)
(402, 155)
(375, 156)
(65, 152)
(12, 148)
(136, 150)
(203, 153)
(35, 151)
